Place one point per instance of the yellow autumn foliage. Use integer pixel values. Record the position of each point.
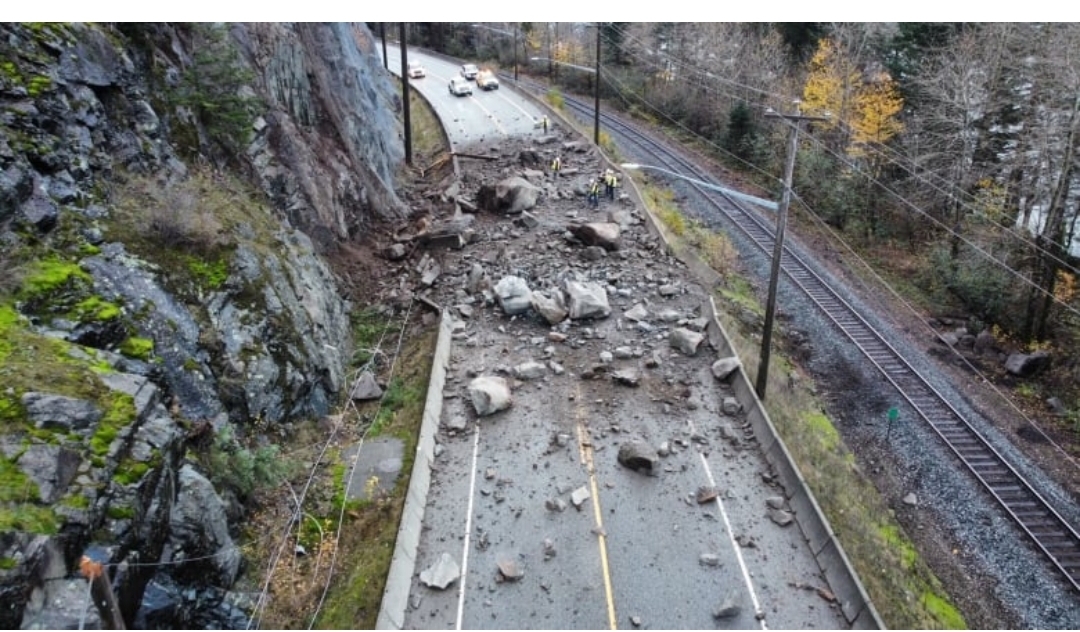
(874, 118)
(829, 85)
(868, 111)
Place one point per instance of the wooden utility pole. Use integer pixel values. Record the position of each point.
(405, 95)
(778, 244)
(596, 110)
(102, 594)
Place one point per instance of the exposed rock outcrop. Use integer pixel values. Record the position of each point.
(161, 305)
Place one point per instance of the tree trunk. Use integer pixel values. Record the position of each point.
(1050, 251)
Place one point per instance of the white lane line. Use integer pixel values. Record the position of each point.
(758, 612)
(468, 528)
(531, 116)
(735, 546)
(491, 116)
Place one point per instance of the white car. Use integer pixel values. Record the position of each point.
(459, 86)
(469, 71)
(416, 70)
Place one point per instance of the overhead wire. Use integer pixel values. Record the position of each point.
(911, 308)
(619, 88)
(948, 229)
(255, 616)
(351, 474)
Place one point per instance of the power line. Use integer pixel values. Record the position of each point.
(947, 229)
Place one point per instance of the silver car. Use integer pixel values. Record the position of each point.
(460, 86)
(469, 71)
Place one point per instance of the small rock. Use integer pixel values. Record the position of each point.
(366, 388)
(781, 517)
(629, 377)
(636, 313)
(509, 568)
(530, 370)
(729, 607)
(579, 496)
(775, 502)
(746, 541)
(555, 504)
(549, 549)
(638, 456)
(723, 368)
(442, 573)
(707, 493)
(636, 620)
(686, 341)
(911, 499)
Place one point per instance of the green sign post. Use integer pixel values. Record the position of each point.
(894, 414)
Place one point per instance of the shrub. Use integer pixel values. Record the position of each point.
(233, 466)
(555, 99)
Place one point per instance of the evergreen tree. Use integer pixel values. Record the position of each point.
(742, 136)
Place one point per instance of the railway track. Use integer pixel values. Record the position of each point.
(1050, 533)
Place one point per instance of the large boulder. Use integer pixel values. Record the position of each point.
(489, 394)
(513, 295)
(603, 234)
(1027, 364)
(586, 299)
(512, 195)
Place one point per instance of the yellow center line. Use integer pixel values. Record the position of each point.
(586, 451)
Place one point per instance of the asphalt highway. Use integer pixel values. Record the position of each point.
(547, 529)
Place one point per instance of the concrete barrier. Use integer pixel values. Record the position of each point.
(403, 564)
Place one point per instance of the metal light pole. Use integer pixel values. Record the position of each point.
(778, 244)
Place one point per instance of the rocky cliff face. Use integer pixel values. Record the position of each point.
(165, 193)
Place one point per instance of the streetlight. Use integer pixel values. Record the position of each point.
(596, 71)
(563, 63)
(631, 166)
